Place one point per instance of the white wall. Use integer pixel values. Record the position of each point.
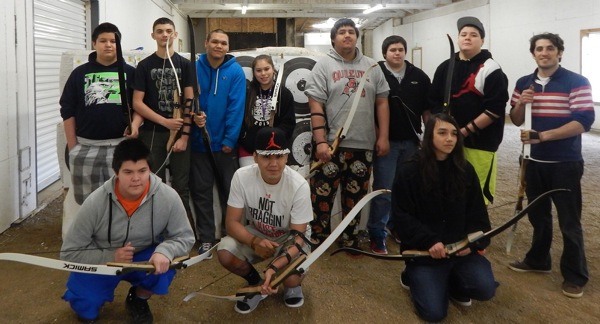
(135, 17)
(508, 24)
(17, 126)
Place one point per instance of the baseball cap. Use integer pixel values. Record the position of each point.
(271, 141)
(471, 21)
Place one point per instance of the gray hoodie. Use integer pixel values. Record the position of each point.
(160, 219)
(333, 82)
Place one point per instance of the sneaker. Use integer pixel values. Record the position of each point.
(86, 321)
(572, 290)
(521, 266)
(350, 243)
(461, 300)
(394, 237)
(404, 280)
(248, 304)
(138, 308)
(293, 297)
(363, 236)
(205, 247)
(378, 246)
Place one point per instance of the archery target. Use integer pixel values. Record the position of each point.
(295, 74)
(301, 144)
(246, 63)
(297, 65)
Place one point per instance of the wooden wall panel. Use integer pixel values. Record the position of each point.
(243, 25)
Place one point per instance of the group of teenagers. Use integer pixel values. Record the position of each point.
(441, 178)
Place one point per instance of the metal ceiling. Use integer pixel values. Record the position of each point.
(308, 12)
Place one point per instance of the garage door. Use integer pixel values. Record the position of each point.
(59, 25)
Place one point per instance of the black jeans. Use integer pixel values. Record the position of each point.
(202, 179)
(542, 177)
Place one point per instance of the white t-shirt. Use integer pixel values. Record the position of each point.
(270, 209)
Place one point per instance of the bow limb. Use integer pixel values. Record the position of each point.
(519, 205)
(188, 262)
(173, 134)
(522, 183)
(122, 86)
(339, 229)
(110, 269)
(449, 75)
(275, 97)
(228, 297)
(453, 248)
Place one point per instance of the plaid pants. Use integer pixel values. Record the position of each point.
(90, 165)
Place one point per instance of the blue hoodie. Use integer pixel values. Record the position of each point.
(222, 98)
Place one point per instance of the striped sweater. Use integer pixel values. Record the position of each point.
(566, 97)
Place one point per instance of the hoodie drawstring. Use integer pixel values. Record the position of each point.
(152, 221)
(109, 217)
(216, 82)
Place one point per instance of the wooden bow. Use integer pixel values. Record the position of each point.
(453, 248)
(300, 264)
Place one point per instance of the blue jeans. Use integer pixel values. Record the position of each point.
(87, 293)
(384, 173)
(432, 284)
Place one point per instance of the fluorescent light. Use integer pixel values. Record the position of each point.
(328, 24)
(244, 8)
(372, 9)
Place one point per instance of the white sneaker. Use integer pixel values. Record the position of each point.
(248, 304)
(404, 280)
(293, 297)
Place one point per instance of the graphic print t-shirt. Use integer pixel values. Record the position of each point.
(156, 78)
(270, 209)
(92, 95)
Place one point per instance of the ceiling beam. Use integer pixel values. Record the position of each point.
(217, 14)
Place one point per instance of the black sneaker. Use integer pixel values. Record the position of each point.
(293, 297)
(404, 280)
(461, 300)
(248, 304)
(86, 321)
(521, 266)
(138, 308)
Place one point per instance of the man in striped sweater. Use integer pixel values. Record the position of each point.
(562, 109)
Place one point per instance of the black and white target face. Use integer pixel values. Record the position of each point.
(301, 144)
(246, 63)
(296, 72)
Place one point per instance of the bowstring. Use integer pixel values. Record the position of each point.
(178, 91)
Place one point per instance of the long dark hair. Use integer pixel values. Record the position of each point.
(453, 183)
(254, 89)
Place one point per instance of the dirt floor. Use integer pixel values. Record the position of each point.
(337, 289)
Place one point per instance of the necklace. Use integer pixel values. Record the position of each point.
(264, 99)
